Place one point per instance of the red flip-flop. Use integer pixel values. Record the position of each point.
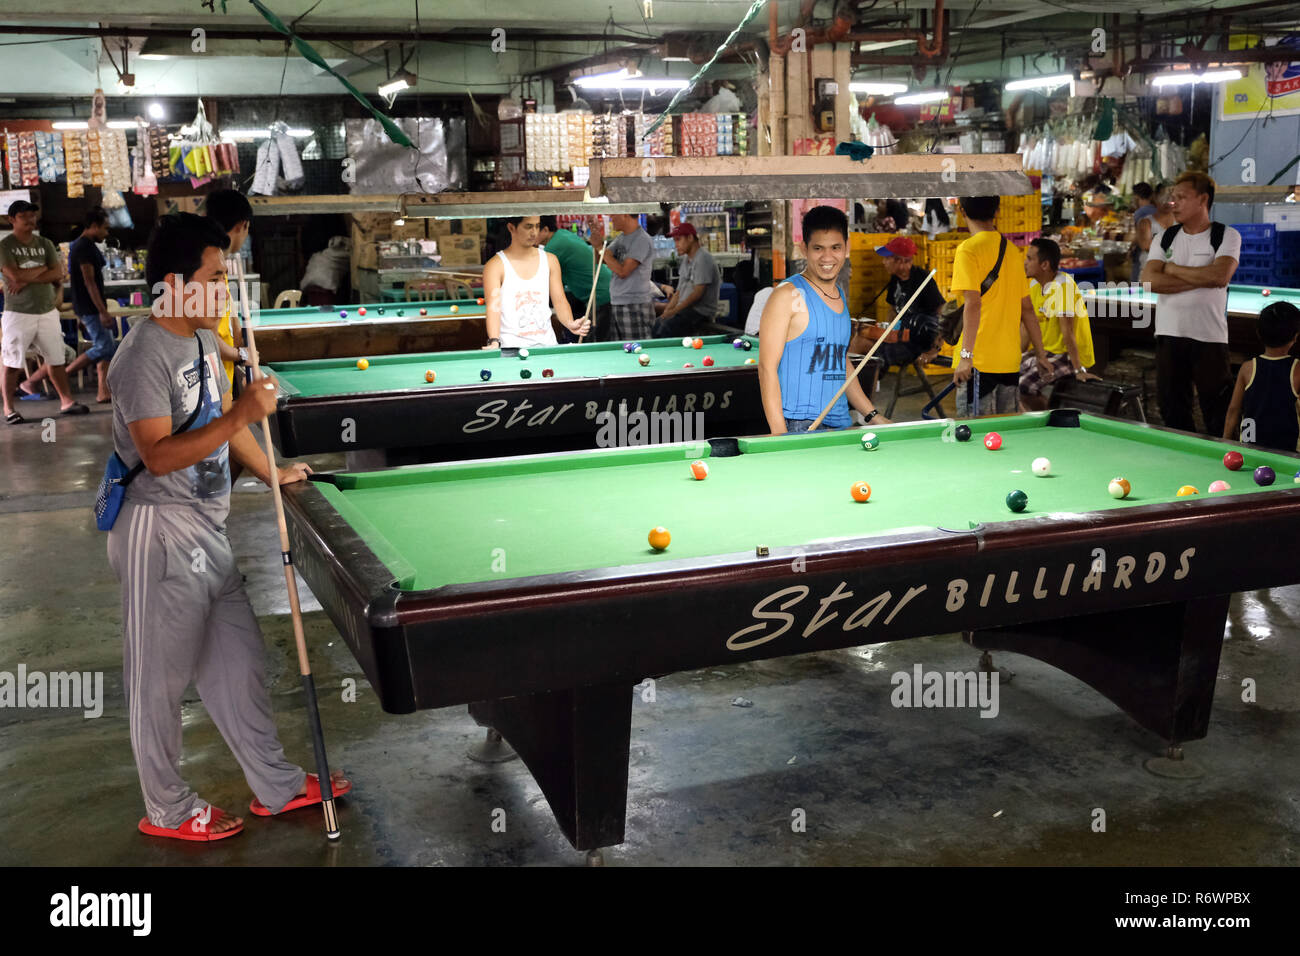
(191, 829)
(310, 799)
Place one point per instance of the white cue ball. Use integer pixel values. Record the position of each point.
(1041, 467)
(686, 342)
(523, 353)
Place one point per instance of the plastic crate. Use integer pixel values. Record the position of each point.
(1257, 238)
(1256, 262)
(1252, 277)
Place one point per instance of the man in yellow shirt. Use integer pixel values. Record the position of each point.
(233, 213)
(1063, 317)
(989, 273)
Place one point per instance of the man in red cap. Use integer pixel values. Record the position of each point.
(922, 319)
(695, 300)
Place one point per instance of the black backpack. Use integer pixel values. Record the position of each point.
(1167, 237)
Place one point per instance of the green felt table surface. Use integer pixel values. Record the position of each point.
(273, 318)
(444, 523)
(588, 360)
(1242, 299)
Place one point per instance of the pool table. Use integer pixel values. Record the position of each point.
(525, 587)
(396, 417)
(1128, 315)
(321, 332)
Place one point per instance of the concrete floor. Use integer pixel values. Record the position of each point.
(710, 783)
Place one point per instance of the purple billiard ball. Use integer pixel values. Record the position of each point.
(1264, 476)
(343, 313)
(627, 346)
(737, 343)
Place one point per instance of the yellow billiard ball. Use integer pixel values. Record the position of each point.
(363, 364)
(455, 308)
(659, 538)
(1186, 490)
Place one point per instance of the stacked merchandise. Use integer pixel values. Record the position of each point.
(581, 132)
(546, 138)
(76, 162)
(116, 159)
(1259, 254)
(726, 134)
(658, 143)
(608, 136)
(49, 157)
(22, 162)
(867, 275)
(698, 134)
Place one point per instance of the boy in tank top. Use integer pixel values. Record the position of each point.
(1265, 407)
(521, 284)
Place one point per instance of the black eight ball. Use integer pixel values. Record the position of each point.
(963, 433)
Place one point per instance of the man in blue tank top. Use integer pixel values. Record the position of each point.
(804, 336)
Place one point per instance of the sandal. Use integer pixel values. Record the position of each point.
(310, 799)
(76, 408)
(13, 418)
(191, 829)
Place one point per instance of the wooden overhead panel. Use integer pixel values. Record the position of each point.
(756, 178)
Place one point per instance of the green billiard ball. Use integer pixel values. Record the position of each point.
(525, 373)
(870, 441)
(1017, 501)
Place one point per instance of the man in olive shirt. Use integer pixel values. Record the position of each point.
(699, 282)
(33, 275)
(577, 259)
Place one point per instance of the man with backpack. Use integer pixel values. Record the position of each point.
(1190, 269)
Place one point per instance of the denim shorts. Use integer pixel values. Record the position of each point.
(102, 343)
(794, 426)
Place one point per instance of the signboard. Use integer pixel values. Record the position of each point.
(1266, 88)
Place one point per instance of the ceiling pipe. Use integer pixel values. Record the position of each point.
(939, 56)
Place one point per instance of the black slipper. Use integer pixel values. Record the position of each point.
(13, 418)
(76, 408)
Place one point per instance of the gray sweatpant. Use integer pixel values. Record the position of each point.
(187, 619)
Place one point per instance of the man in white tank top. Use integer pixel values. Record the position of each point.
(521, 284)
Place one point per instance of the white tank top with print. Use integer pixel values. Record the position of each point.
(526, 305)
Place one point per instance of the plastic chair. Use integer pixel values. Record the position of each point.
(289, 298)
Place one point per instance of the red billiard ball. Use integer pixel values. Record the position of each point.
(992, 441)
(424, 311)
(548, 373)
(708, 360)
(1264, 292)
(361, 311)
(689, 365)
(478, 301)
(1233, 461)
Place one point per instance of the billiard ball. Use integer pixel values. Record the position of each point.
(525, 373)
(659, 538)
(401, 312)
(747, 345)
(1187, 490)
(548, 373)
(343, 313)
(1264, 292)
(860, 491)
(1233, 461)
(424, 311)
(1119, 488)
(1017, 500)
(1219, 486)
(697, 344)
(485, 374)
(689, 365)
(1297, 477)
(643, 359)
(363, 364)
(478, 301)
(870, 441)
(992, 441)
(627, 346)
(708, 360)
(361, 311)
(455, 308)
(1264, 476)
(699, 470)
(751, 362)
(686, 342)
(636, 347)
(963, 433)
(1041, 467)
(737, 343)
(380, 311)
(523, 353)
(430, 375)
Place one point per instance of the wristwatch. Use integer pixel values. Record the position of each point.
(866, 419)
(243, 356)
(967, 354)
(1080, 370)
(494, 339)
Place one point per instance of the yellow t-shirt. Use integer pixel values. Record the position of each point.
(226, 335)
(1061, 297)
(997, 347)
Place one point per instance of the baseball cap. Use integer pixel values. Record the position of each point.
(21, 205)
(898, 246)
(683, 229)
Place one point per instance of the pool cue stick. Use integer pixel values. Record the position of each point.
(849, 379)
(290, 581)
(595, 278)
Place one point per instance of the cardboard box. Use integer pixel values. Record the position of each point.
(409, 229)
(461, 251)
(438, 228)
(473, 227)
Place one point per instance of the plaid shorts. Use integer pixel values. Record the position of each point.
(631, 322)
(1032, 380)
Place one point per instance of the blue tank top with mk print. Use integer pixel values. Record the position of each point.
(812, 367)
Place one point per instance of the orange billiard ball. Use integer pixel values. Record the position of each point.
(659, 538)
(363, 364)
(698, 344)
(700, 470)
(478, 301)
(1119, 488)
(455, 308)
(430, 375)
(861, 491)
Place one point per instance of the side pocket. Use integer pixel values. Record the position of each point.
(162, 561)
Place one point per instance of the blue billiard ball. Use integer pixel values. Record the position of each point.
(1264, 476)
(343, 313)
(1297, 477)
(485, 374)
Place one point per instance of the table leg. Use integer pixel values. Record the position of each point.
(576, 744)
(1157, 663)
